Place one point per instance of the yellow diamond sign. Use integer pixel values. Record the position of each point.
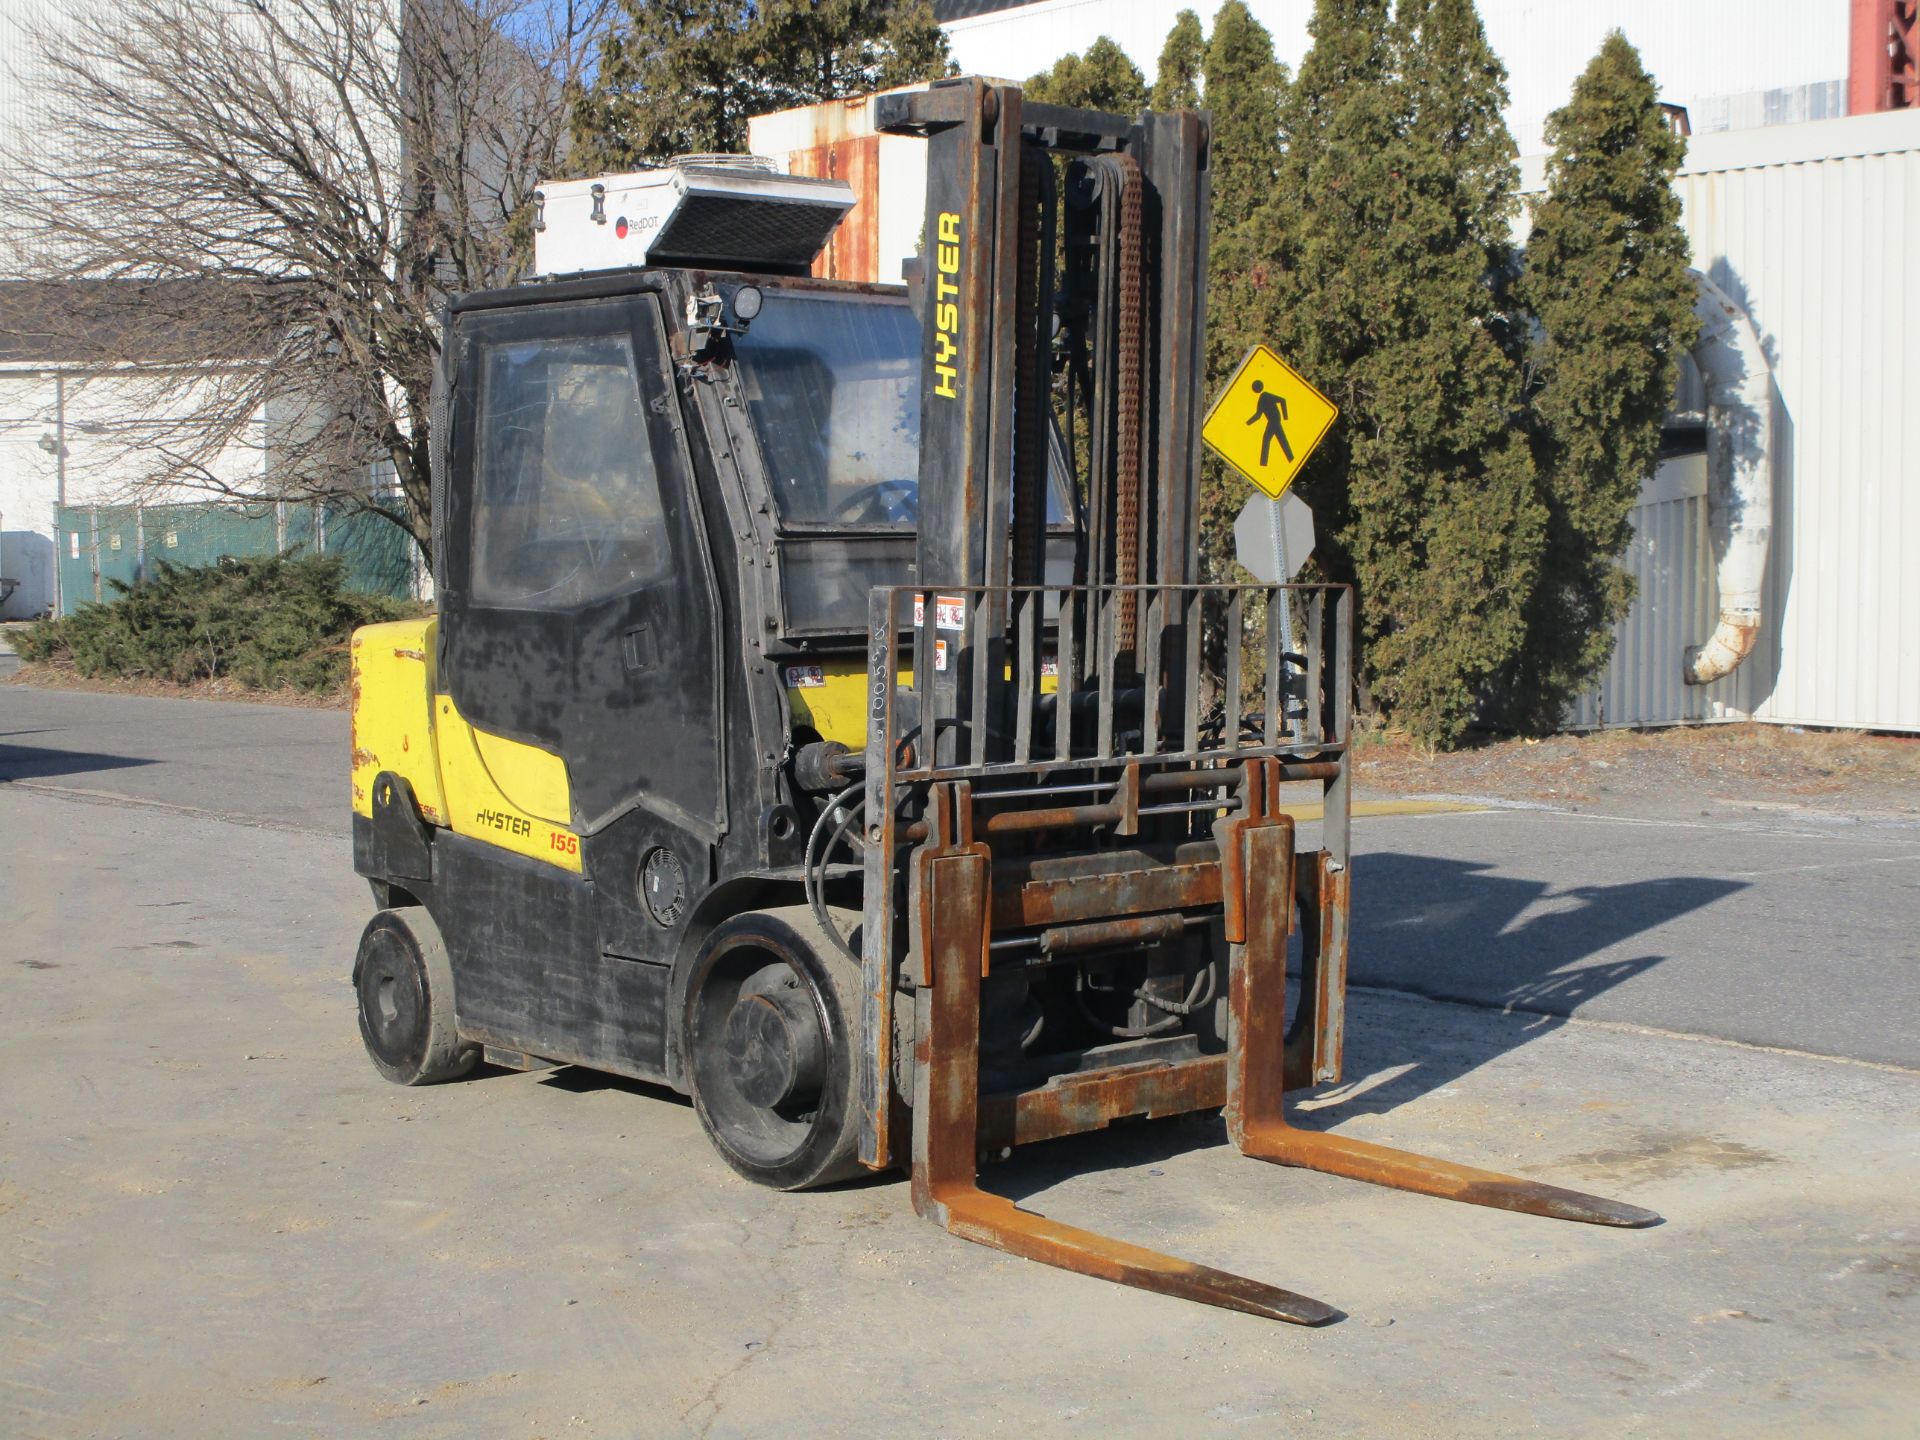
(1267, 421)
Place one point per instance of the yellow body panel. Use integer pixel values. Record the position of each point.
(512, 795)
(393, 684)
(532, 780)
(490, 784)
(833, 701)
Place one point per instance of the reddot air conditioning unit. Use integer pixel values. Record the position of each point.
(725, 212)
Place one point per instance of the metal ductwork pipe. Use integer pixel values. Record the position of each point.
(1739, 385)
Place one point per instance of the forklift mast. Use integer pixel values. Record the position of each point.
(1130, 203)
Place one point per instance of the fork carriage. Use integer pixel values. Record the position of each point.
(1104, 812)
(1133, 825)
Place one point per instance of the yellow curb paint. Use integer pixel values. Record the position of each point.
(1316, 810)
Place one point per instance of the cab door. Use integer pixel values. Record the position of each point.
(578, 609)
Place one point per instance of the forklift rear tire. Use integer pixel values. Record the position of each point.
(772, 1018)
(404, 982)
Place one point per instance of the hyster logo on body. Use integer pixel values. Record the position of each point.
(946, 308)
(497, 820)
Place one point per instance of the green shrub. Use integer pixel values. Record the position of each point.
(1606, 277)
(263, 621)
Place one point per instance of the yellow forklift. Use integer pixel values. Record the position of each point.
(826, 717)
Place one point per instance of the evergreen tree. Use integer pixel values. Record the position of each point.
(1244, 87)
(679, 76)
(1102, 79)
(1313, 243)
(1176, 84)
(1387, 230)
(1606, 279)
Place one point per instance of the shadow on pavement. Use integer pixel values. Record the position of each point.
(1442, 928)
(579, 1080)
(31, 762)
(1448, 930)
(1123, 1146)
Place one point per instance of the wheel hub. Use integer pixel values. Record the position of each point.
(775, 1052)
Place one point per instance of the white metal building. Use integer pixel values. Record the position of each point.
(70, 433)
(1811, 229)
(22, 22)
(64, 440)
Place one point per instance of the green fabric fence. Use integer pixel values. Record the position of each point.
(100, 543)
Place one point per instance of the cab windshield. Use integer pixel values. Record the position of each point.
(833, 385)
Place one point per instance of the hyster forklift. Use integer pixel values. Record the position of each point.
(825, 715)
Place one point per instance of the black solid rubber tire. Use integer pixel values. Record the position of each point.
(403, 980)
(822, 1149)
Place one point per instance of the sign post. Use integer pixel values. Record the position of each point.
(1277, 532)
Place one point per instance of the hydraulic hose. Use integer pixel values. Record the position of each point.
(814, 862)
(1199, 994)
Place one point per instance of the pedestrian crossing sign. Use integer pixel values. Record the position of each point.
(1267, 421)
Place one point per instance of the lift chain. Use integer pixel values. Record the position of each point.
(1132, 388)
(1031, 375)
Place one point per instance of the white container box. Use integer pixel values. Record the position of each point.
(888, 173)
(715, 212)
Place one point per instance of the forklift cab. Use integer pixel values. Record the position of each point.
(664, 498)
(574, 472)
(574, 572)
(626, 452)
(830, 377)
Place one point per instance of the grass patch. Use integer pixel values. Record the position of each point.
(264, 622)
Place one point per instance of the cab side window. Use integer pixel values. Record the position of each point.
(567, 501)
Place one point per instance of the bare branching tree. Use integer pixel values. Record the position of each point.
(252, 210)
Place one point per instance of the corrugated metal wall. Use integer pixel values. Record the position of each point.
(1813, 229)
(1671, 558)
(22, 22)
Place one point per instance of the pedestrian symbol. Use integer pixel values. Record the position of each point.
(1273, 410)
(1267, 421)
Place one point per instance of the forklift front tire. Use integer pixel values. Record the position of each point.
(772, 1019)
(404, 982)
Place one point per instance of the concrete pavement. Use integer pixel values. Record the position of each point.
(217, 1220)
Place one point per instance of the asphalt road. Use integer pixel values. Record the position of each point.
(1780, 928)
(1783, 929)
(266, 764)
